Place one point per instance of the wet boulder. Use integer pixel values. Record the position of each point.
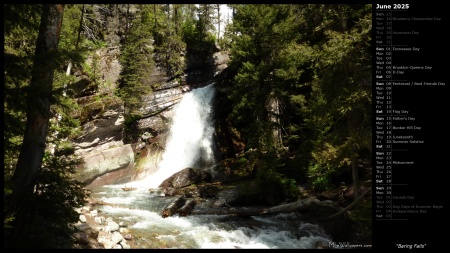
(185, 178)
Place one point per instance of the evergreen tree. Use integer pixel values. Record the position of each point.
(38, 104)
(21, 23)
(260, 32)
(198, 34)
(303, 82)
(169, 45)
(43, 197)
(137, 61)
(343, 92)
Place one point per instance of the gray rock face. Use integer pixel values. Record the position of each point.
(97, 164)
(105, 158)
(165, 97)
(100, 145)
(103, 131)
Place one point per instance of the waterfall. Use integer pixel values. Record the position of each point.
(189, 143)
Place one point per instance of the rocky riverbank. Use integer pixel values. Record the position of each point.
(96, 231)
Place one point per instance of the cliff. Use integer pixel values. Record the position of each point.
(106, 157)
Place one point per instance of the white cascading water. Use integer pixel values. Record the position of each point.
(190, 140)
(189, 145)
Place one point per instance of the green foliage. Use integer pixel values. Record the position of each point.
(205, 15)
(281, 188)
(340, 104)
(314, 60)
(258, 81)
(361, 218)
(136, 59)
(47, 213)
(271, 186)
(21, 24)
(21, 30)
(168, 53)
(93, 69)
(321, 183)
(95, 44)
(240, 166)
(319, 71)
(8, 216)
(166, 41)
(199, 41)
(224, 43)
(71, 24)
(293, 165)
(131, 132)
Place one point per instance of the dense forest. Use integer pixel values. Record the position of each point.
(299, 95)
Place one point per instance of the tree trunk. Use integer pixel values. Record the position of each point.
(80, 27)
(353, 204)
(173, 207)
(218, 20)
(187, 208)
(273, 109)
(175, 18)
(355, 173)
(154, 14)
(301, 205)
(38, 102)
(353, 131)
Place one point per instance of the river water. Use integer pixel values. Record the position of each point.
(190, 144)
(141, 210)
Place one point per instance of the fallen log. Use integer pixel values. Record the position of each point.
(187, 208)
(173, 207)
(353, 204)
(300, 205)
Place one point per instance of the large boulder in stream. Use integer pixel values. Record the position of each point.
(184, 178)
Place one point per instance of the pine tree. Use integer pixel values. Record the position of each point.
(43, 195)
(303, 82)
